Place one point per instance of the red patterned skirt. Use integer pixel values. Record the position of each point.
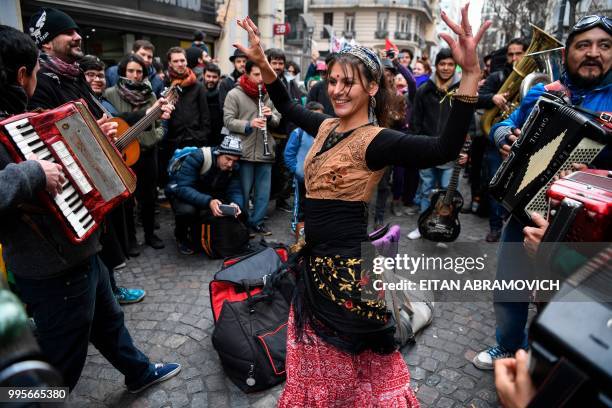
(321, 376)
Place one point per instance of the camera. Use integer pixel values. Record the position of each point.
(391, 53)
(229, 210)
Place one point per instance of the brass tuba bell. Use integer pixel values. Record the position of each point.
(541, 46)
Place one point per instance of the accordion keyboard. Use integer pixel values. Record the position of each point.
(69, 202)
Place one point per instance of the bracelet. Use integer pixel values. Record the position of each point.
(466, 98)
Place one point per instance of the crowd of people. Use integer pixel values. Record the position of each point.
(358, 122)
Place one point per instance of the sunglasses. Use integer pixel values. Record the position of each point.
(587, 22)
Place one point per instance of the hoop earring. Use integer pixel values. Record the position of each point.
(372, 113)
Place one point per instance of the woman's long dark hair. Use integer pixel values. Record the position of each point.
(388, 105)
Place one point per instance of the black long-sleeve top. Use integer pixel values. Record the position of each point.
(389, 147)
(336, 227)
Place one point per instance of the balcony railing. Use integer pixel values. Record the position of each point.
(380, 34)
(400, 35)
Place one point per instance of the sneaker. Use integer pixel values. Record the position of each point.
(484, 360)
(133, 250)
(162, 372)
(120, 266)
(283, 206)
(493, 236)
(126, 296)
(154, 241)
(414, 234)
(261, 229)
(184, 248)
(396, 209)
(442, 245)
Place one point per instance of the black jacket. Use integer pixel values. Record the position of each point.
(318, 93)
(216, 117)
(429, 116)
(285, 127)
(491, 87)
(227, 84)
(189, 124)
(54, 90)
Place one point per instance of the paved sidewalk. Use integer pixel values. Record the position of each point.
(174, 323)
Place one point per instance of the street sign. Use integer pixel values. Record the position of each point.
(282, 29)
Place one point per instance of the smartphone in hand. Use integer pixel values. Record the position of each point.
(228, 210)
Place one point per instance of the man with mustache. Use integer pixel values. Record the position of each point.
(586, 82)
(212, 76)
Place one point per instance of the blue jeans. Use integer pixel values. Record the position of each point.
(513, 263)
(258, 177)
(78, 307)
(430, 179)
(497, 212)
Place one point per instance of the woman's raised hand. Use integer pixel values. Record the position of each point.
(464, 48)
(254, 52)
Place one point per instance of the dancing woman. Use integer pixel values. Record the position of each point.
(340, 348)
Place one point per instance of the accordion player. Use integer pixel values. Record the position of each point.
(554, 136)
(97, 179)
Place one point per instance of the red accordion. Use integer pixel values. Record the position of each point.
(583, 201)
(97, 179)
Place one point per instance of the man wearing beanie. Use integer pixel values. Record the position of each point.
(228, 83)
(66, 286)
(199, 182)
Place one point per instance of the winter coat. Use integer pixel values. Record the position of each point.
(190, 185)
(216, 117)
(431, 110)
(33, 243)
(147, 138)
(238, 112)
(296, 150)
(189, 124)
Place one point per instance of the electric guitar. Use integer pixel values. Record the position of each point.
(440, 222)
(127, 137)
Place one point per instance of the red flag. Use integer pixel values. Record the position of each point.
(389, 45)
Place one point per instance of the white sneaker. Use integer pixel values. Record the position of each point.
(484, 360)
(415, 234)
(412, 210)
(441, 245)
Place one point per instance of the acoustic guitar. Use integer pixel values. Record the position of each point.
(440, 222)
(127, 137)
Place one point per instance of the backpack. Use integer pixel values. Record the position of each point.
(222, 237)
(250, 301)
(177, 159)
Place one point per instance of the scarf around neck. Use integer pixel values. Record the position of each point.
(184, 80)
(135, 93)
(250, 88)
(60, 67)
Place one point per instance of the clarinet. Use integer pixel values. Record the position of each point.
(265, 129)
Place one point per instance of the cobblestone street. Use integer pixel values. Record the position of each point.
(174, 323)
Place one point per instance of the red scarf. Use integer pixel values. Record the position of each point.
(184, 80)
(249, 87)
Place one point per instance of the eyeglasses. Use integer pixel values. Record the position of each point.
(93, 75)
(587, 22)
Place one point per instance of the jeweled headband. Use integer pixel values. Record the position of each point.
(367, 56)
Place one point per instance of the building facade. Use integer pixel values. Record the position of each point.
(560, 27)
(407, 23)
(110, 27)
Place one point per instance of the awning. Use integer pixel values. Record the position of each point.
(123, 19)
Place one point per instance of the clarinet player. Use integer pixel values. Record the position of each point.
(247, 112)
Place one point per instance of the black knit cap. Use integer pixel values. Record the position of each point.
(48, 23)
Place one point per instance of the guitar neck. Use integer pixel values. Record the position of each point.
(141, 125)
(452, 184)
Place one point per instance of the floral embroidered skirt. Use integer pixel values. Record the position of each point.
(322, 376)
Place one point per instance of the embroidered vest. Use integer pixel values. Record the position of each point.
(341, 173)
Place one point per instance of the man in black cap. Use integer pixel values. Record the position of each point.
(228, 83)
(66, 286)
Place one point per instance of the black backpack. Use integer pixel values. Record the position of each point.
(222, 237)
(250, 302)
